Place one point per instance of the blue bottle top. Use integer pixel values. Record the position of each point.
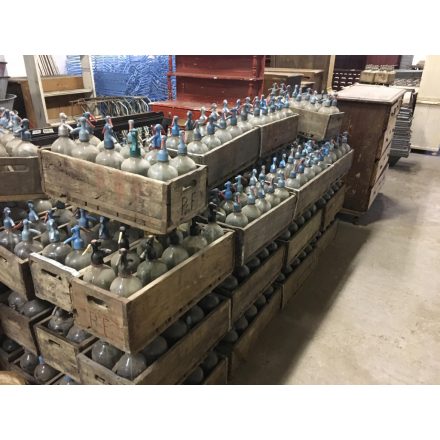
(26, 233)
(262, 175)
(134, 147)
(182, 150)
(85, 218)
(77, 241)
(292, 174)
(32, 215)
(82, 130)
(253, 179)
(228, 192)
(273, 167)
(239, 185)
(162, 155)
(8, 223)
(211, 125)
(130, 128)
(157, 139)
(251, 197)
(175, 130)
(233, 118)
(189, 124)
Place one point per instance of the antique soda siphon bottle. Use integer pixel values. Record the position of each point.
(56, 249)
(156, 142)
(105, 354)
(44, 372)
(182, 163)
(107, 130)
(222, 133)
(195, 241)
(63, 145)
(211, 140)
(212, 230)
(109, 157)
(16, 135)
(251, 211)
(60, 322)
(77, 259)
(25, 148)
(196, 146)
(125, 149)
(203, 119)
(189, 128)
(8, 237)
(227, 205)
(93, 140)
(126, 283)
(173, 140)
(162, 170)
(237, 217)
(27, 244)
(84, 149)
(132, 257)
(151, 268)
(98, 273)
(175, 253)
(135, 163)
(233, 129)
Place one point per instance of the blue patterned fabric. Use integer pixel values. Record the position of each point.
(132, 75)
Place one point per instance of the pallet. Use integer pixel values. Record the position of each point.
(247, 341)
(183, 356)
(302, 237)
(20, 178)
(131, 323)
(276, 134)
(257, 282)
(227, 160)
(318, 126)
(58, 351)
(20, 328)
(259, 233)
(141, 202)
(333, 206)
(315, 188)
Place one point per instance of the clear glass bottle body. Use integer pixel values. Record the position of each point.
(237, 219)
(251, 211)
(76, 259)
(44, 373)
(101, 276)
(28, 362)
(25, 149)
(197, 147)
(63, 145)
(194, 243)
(234, 130)
(105, 354)
(125, 285)
(131, 365)
(135, 165)
(9, 239)
(25, 248)
(223, 134)
(183, 164)
(148, 270)
(162, 171)
(85, 151)
(263, 205)
(211, 141)
(12, 144)
(174, 255)
(110, 158)
(57, 251)
(155, 349)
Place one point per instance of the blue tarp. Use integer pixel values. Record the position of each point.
(139, 75)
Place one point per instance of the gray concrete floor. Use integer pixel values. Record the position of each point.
(370, 313)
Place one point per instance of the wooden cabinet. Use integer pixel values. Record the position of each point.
(370, 117)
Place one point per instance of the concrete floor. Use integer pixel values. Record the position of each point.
(370, 313)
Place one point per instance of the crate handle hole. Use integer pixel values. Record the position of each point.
(14, 169)
(52, 342)
(99, 379)
(192, 184)
(54, 275)
(97, 302)
(2, 258)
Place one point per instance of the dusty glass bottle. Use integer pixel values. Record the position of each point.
(16, 135)
(155, 349)
(27, 244)
(256, 117)
(109, 157)
(133, 258)
(130, 365)
(308, 169)
(28, 362)
(261, 203)
(84, 149)
(151, 268)
(173, 137)
(195, 378)
(9, 345)
(44, 372)
(196, 146)
(202, 121)
(271, 196)
(105, 354)
(292, 181)
(227, 205)
(8, 237)
(77, 259)
(91, 129)
(210, 362)
(35, 222)
(135, 163)
(104, 235)
(237, 217)
(60, 322)
(63, 144)
(162, 170)
(222, 133)
(25, 148)
(212, 230)
(98, 273)
(189, 127)
(325, 108)
(126, 283)
(51, 224)
(182, 163)
(33, 307)
(125, 148)
(251, 211)
(175, 253)
(175, 331)
(108, 131)
(195, 241)
(77, 334)
(233, 129)
(16, 300)
(56, 249)
(211, 140)
(243, 122)
(194, 315)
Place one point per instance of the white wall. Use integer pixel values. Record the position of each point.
(15, 66)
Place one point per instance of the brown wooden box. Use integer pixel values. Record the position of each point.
(218, 376)
(327, 237)
(302, 237)
(265, 229)
(20, 178)
(333, 206)
(274, 76)
(318, 126)
(296, 279)
(276, 134)
(182, 357)
(15, 273)
(18, 327)
(367, 76)
(131, 323)
(248, 291)
(6, 359)
(315, 188)
(246, 343)
(229, 159)
(58, 351)
(139, 201)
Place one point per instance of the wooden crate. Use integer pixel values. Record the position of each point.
(6, 359)
(182, 357)
(227, 160)
(367, 76)
(20, 179)
(139, 201)
(244, 346)
(318, 126)
(276, 134)
(58, 351)
(248, 291)
(302, 237)
(296, 279)
(218, 376)
(15, 366)
(333, 206)
(18, 327)
(131, 323)
(315, 188)
(15, 273)
(274, 76)
(259, 233)
(52, 280)
(327, 237)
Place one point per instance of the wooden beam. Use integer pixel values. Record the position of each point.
(87, 74)
(331, 68)
(36, 90)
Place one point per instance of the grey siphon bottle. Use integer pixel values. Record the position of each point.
(56, 249)
(251, 211)
(8, 237)
(175, 253)
(63, 144)
(152, 267)
(109, 157)
(126, 283)
(135, 163)
(182, 163)
(78, 258)
(237, 217)
(162, 170)
(84, 149)
(211, 140)
(173, 140)
(98, 273)
(212, 231)
(195, 241)
(27, 244)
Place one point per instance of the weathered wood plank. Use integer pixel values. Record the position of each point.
(333, 206)
(278, 133)
(318, 126)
